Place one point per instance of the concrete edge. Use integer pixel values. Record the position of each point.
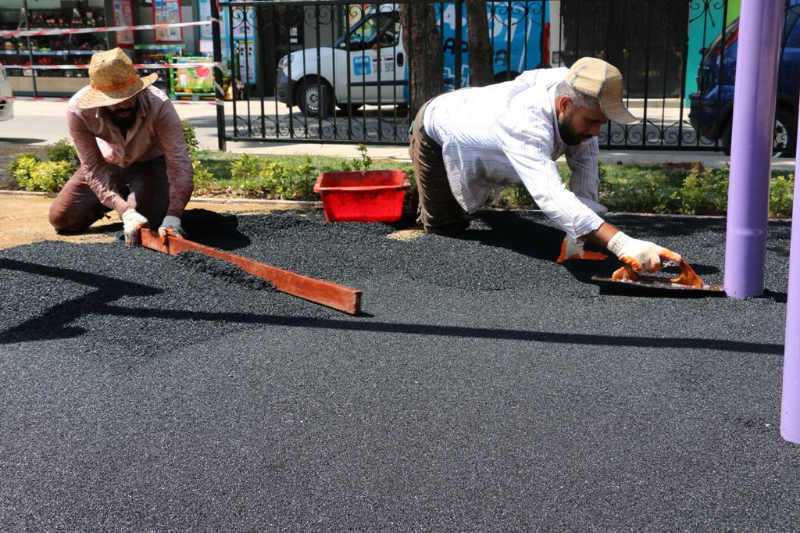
(303, 204)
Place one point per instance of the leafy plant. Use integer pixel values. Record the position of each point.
(781, 196)
(63, 150)
(190, 136)
(22, 167)
(704, 191)
(202, 177)
(46, 176)
(247, 166)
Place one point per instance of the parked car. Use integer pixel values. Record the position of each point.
(6, 94)
(367, 64)
(711, 107)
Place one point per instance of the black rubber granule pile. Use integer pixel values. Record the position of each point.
(484, 388)
(220, 269)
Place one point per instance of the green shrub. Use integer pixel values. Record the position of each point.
(781, 196)
(636, 190)
(46, 176)
(704, 191)
(190, 136)
(202, 177)
(245, 167)
(63, 150)
(22, 167)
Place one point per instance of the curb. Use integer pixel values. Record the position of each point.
(303, 204)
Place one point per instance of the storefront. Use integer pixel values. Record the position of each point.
(59, 58)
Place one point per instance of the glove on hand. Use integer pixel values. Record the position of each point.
(133, 221)
(641, 256)
(171, 227)
(574, 250)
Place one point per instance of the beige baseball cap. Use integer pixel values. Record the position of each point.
(596, 78)
(113, 79)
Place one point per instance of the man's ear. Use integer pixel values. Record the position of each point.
(563, 104)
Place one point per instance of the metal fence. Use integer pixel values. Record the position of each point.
(336, 72)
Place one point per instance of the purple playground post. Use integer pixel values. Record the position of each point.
(790, 404)
(755, 88)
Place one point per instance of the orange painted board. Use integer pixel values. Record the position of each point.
(327, 293)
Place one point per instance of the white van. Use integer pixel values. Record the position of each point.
(368, 64)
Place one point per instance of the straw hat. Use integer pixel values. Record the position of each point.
(113, 80)
(598, 79)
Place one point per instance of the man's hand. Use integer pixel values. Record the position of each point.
(133, 221)
(640, 256)
(171, 227)
(574, 250)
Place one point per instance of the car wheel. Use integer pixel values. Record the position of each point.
(727, 135)
(314, 97)
(785, 140)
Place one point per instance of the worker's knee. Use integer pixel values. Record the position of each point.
(66, 222)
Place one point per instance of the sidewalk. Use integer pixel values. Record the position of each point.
(40, 123)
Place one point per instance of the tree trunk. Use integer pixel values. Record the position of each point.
(423, 53)
(481, 72)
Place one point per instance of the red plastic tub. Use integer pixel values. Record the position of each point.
(363, 196)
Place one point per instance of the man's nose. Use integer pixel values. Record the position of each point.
(594, 131)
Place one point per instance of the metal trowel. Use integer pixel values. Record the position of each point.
(688, 283)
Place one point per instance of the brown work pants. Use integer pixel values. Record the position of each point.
(438, 211)
(143, 185)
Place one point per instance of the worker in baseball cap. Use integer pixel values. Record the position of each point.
(132, 151)
(468, 143)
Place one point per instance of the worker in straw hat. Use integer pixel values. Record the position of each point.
(133, 156)
(468, 143)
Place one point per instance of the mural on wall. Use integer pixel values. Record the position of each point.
(705, 25)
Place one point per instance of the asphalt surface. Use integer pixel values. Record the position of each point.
(485, 388)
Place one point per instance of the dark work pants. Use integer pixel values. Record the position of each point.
(143, 185)
(438, 210)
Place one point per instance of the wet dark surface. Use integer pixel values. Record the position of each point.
(485, 388)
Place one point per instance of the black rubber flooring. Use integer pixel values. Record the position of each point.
(486, 388)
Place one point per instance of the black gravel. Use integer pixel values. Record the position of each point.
(485, 387)
(224, 270)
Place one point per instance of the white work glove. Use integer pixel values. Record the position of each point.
(571, 249)
(640, 256)
(133, 221)
(171, 227)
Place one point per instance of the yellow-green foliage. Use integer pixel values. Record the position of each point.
(246, 167)
(781, 196)
(46, 176)
(201, 176)
(704, 191)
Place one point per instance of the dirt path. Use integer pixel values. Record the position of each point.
(23, 219)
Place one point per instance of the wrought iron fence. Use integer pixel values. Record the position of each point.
(334, 72)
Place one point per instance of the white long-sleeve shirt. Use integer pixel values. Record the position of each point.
(508, 133)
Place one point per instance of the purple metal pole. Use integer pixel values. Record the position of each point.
(751, 147)
(790, 405)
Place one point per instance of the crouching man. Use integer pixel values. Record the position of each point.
(133, 156)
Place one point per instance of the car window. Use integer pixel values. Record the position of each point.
(791, 29)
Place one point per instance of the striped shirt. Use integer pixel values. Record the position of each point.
(157, 132)
(508, 133)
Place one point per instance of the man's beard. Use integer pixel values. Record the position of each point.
(123, 123)
(567, 132)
